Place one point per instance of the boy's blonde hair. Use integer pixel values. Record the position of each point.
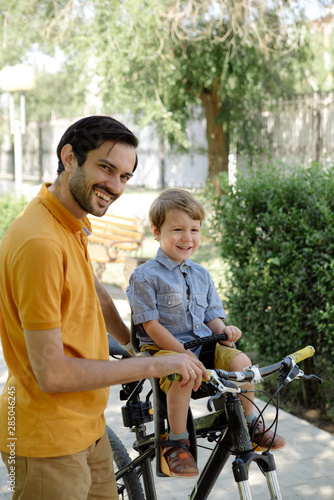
(175, 199)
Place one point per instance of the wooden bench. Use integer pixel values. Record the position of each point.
(113, 238)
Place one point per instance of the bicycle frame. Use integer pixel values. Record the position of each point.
(228, 426)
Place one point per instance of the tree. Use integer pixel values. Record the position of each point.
(319, 74)
(163, 59)
(27, 35)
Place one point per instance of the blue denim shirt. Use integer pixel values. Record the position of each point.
(181, 297)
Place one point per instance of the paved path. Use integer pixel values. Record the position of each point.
(305, 466)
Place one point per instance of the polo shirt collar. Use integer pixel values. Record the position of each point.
(162, 258)
(68, 220)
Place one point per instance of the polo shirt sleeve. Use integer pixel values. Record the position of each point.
(142, 299)
(215, 307)
(38, 278)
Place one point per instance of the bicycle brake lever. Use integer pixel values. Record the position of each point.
(223, 386)
(218, 383)
(297, 373)
(288, 377)
(311, 377)
(210, 404)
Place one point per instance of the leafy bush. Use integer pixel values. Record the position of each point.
(10, 207)
(276, 228)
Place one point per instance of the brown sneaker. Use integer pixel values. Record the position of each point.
(180, 461)
(264, 437)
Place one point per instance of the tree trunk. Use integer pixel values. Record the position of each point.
(217, 147)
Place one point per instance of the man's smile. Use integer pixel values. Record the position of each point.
(103, 195)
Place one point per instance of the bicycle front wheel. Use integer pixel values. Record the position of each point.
(129, 486)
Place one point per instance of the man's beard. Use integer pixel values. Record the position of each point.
(78, 189)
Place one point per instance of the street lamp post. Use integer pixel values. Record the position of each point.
(19, 78)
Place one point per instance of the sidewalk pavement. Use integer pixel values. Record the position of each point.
(304, 466)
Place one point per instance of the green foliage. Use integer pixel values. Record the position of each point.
(22, 28)
(164, 61)
(318, 74)
(276, 228)
(10, 207)
(30, 33)
(158, 59)
(56, 95)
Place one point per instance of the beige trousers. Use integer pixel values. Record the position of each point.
(87, 475)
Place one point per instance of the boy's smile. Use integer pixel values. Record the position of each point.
(179, 235)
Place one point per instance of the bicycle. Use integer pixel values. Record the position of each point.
(225, 426)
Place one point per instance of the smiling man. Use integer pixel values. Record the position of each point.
(54, 316)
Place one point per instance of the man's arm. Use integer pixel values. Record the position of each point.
(56, 372)
(114, 323)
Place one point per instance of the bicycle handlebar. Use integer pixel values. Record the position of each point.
(222, 379)
(205, 340)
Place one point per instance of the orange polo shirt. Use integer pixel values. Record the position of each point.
(46, 282)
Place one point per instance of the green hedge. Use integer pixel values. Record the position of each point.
(276, 229)
(10, 207)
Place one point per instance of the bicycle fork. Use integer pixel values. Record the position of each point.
(245, 454)
(266, 463)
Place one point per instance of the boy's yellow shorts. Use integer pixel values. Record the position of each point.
(223, 358)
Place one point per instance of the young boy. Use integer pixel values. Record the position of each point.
(175, 300)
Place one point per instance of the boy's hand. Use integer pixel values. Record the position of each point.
(233, 333)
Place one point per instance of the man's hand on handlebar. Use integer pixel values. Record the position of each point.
(189, 367)
(191, 354)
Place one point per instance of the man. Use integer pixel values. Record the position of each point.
(53, 323)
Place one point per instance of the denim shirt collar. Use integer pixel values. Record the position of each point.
(162, 258)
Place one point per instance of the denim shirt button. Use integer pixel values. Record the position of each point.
(197, 326)
(169, 302)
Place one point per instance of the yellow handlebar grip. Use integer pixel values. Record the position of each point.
(307, 352)
(176, 376)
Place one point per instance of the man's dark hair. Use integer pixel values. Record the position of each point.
(89, 133)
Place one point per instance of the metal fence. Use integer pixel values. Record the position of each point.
(294, 131)
(159, 165)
